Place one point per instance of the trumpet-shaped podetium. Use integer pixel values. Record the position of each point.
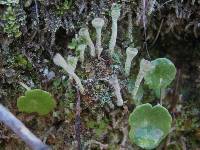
(130, 54)
(115, 84)
(60, 61)
(98, 24)
(145, 66)
(36, 100)
(84, 33)
(115, 14)
(149, 125)
(162, 75)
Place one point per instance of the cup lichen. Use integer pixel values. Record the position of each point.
(130, 54)
(115, 14)
(60, 61)
(84, 33)
(98, 24)
(115, 84)
(145, 66)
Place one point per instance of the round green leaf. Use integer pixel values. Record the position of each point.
(162, 75)
(149, 125)
(36, 101)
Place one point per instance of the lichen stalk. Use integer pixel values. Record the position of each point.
(115, 14)
(98, 42)
(81, 48)
(115, 84)
(84, 33)
(60, 61)
(145, 66)
(130, 54)
(98, 24)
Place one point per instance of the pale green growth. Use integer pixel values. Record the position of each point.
(145, 66)
(36, 100)
(84, 33)
(115, 84)
(115, 14)
(149, 125)
(98, 24)
(130, 54)
(81, 48)
(60, 61)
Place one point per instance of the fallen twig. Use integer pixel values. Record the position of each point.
(19, 128)
(78, 121)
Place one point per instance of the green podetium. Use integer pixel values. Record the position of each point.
(36, 100)
(60, 61)
(84, 33)
(145, 67)
(149, 125)
(130, 54)
(98, 24)
(115, 14)
(115, 84)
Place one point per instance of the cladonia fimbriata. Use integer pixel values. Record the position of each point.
(98, 24)
(115, 14)
(84, 33)
(60, 61)
(115, 84)
(81, 48)
(145, 66)
(130, 54)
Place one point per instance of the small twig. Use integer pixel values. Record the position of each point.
(19, 128)
(78, 121)
(158, 33)
(125, 138)
(36, 11)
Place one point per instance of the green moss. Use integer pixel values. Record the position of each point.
(11, 26)
(98, 126)
(63, 7)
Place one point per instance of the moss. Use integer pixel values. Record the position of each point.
(63, 7)
(11, 26)
(99, 126)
